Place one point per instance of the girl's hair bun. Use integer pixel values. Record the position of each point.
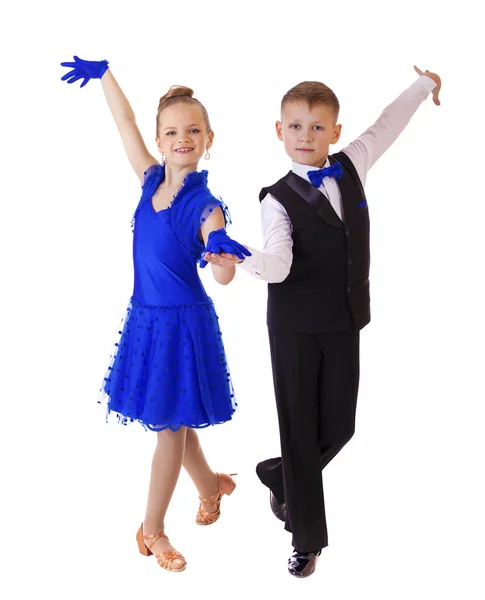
(176, 90)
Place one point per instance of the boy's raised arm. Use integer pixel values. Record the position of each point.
(371, 145)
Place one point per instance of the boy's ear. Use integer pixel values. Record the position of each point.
(279, 130)
(337, 130)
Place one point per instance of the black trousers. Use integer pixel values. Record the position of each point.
(316, 381)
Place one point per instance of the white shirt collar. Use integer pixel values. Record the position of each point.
(302, 170)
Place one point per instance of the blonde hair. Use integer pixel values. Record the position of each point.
(180, 94)
(312, 92)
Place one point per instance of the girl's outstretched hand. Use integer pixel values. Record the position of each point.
(436, 79)
(84, 69)
(219, 243)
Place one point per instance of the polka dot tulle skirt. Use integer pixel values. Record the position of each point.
(169, 368)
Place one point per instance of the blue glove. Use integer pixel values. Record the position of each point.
(84, 69)
(218, 242)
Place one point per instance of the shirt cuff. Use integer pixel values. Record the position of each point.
(250, 263)
(426, 82)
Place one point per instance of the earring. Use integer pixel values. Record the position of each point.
(207, 155)
(162, 160)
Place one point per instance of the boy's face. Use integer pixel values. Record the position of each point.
(308, 132)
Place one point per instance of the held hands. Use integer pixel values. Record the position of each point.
(222, 251)
(436, 79)
(84, 69)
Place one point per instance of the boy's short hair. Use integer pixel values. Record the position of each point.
(312, 92)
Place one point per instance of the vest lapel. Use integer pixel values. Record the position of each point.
(351, 197)
(314, 197)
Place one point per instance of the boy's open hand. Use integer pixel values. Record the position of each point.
(435, 78)
(224, 259)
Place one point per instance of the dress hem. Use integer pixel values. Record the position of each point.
(127, 420)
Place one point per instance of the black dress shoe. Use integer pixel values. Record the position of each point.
(302, 564)
(278, 508)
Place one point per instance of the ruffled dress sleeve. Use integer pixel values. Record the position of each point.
(188, 216)
(152, 178)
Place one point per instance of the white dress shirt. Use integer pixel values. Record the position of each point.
(273, 263)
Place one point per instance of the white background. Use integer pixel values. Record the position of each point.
(404, 499)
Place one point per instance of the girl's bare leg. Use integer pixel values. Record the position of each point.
(166, 465)
(195, 463)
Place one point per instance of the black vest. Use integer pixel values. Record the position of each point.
(327, 289)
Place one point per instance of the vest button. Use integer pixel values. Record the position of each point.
(350, 261)
(349, 289)
(347, 231)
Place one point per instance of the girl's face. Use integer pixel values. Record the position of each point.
(182, 135)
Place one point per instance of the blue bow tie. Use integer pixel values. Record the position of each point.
(316, 177)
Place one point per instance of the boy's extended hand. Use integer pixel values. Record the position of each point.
(436, 79)
(222, 260)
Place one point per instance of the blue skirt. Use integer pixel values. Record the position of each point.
(169, 368)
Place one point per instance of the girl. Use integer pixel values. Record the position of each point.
(169, 370)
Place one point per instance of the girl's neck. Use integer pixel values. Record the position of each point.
(174, 176)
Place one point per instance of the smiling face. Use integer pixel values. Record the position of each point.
(182, 135)
(307, 132)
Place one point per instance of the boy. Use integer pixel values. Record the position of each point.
(316, 261)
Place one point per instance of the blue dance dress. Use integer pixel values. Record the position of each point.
(169, 367)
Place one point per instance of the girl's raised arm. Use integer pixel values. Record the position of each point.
(138, 155)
